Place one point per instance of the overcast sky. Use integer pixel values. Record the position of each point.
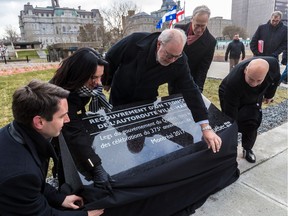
(10, 9)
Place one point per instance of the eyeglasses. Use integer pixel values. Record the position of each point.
(171, 56)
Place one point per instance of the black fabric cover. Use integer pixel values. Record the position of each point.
(176, 187)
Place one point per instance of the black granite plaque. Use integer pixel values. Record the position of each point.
(141, 136)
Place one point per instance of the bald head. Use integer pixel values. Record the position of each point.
(256, 72)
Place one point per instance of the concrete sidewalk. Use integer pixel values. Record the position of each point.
(261, 189)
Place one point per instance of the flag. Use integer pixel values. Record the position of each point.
(170, 15)
(180, 15)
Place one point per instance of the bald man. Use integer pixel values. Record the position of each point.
(141, 62)
(242, 92)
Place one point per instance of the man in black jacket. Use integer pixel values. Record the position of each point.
(235, 48)
(242, 92)
(274, 37)
(40, 110)
(141, 62)
(199, 48)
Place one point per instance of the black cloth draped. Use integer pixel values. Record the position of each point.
(177, 186)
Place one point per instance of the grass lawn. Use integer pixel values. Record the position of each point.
(32, 54)
(8, 84)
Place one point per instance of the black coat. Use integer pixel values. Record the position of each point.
(200, 55)
(24, 164)
(235, 48)
(235, 93)
(77, 137)
(275, 39)
(136, 75)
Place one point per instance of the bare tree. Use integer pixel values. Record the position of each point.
(230, 31)
(106, 37)
(11, 33)
(87, 33)
(115, 18)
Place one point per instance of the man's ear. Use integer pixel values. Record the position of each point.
(245, 70)
(37, 122)
(158, 44)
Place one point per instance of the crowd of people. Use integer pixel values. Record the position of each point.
(131, 71)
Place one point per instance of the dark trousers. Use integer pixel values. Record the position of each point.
(249, 119)
(233, 62)
(249, 134)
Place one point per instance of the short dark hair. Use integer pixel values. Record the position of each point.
(77, 69)
(37, 98)
(277, 14)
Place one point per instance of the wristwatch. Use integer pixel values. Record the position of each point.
(208, 127)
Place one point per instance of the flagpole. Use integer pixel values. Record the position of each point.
(184, 12)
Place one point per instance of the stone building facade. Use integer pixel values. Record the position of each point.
(55, 24)
(216, 26)
(140, 22)
(143, 22)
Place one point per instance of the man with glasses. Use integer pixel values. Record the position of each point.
(141, 62)
(272, 36)
(199, 48)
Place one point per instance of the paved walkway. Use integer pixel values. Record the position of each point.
(261, 189)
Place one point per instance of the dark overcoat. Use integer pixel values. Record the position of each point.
(235, 93)
(24, 156)
(275, 39)
(135, 75)
(78, 138)
(200, 55)
(235, 48)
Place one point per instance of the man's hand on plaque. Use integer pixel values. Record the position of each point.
(211, 138)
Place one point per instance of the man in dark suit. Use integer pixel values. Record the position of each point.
(141, 62)
(40, 110)
(199, 48)
(242, 92)
(273, 35)
(234, 50)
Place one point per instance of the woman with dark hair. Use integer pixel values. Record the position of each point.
(81, 74)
